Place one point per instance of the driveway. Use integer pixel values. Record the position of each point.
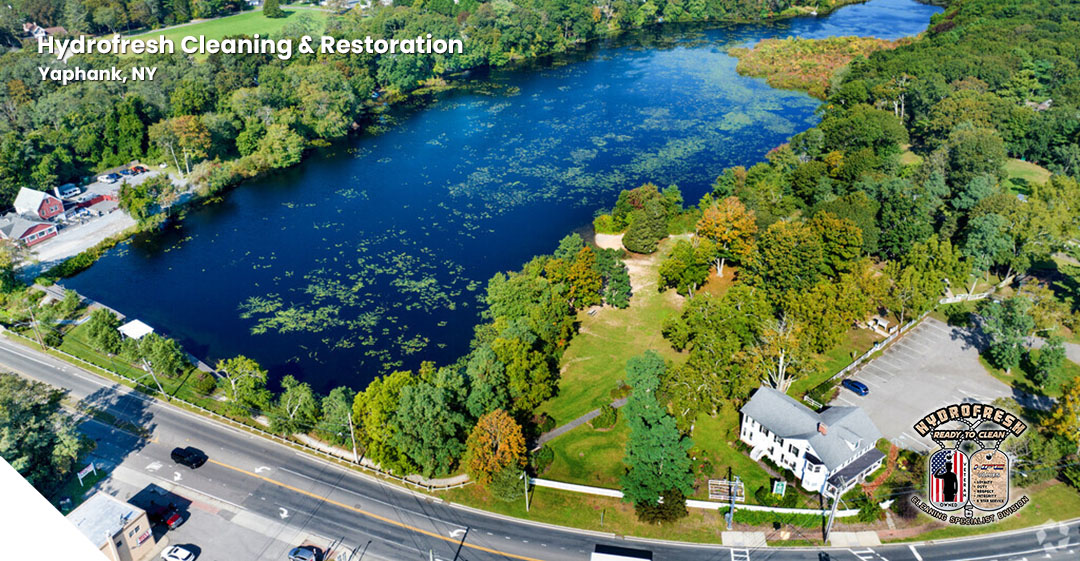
(932, 365)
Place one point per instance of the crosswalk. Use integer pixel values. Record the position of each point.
(867, 555)
(740, 555)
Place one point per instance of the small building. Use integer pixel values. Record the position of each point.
(25, 229)
(829, 452)
(135, 329)
(120, 530)
(37, 32)
(38, 203)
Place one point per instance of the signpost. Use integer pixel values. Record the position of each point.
(85, 472)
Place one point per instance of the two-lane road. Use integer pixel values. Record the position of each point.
(278, 483)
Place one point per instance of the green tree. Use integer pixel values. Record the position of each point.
(790, 257)
(687, 266)
(1064, 418)
(1050, 361)
(296, 408)
(731, 227)
(374, 409)
(1007, 323)
(782, 354)
(656, 453)
(37, 437)
(336, 422)
(272, 9)
(101, 330)
(430, 425)
(244, 384)
(646, 228)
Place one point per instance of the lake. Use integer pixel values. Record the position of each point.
(372, 254)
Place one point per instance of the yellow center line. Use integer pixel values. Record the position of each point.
(371, 514)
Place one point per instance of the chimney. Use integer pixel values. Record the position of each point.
(822, 428)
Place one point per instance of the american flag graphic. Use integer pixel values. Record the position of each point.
(948, 482)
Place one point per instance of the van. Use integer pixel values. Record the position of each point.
(68, 190)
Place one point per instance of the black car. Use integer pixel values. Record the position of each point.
(190, 457)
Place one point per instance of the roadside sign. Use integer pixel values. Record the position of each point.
(779, 487)
(85, 472)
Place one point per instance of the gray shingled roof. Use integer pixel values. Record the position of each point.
(848, 428)
(15, 225)
(102, 515)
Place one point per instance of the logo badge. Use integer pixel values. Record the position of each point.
(948, 479)
(989, 479)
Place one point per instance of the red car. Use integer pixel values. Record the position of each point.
(139, 169)
(167, 515)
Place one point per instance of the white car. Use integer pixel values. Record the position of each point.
(177, 553)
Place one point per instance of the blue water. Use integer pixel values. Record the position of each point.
(371, 255)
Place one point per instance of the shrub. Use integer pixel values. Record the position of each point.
(542, 459)
(507, 485)
(604, 224)
(203, 383)
(606, 419)
(547, 423)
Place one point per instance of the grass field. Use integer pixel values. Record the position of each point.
(595, 362)
(1032, 173)
(247, 23)
(1020, 377)
(856, 342)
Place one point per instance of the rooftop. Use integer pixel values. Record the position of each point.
(102, 515)
(847, 429)
(135, 329)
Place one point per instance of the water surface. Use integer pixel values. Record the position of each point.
(371, 254)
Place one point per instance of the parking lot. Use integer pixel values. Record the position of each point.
(930, 366)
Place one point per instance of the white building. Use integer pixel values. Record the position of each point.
(820, 449)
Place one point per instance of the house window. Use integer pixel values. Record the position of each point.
(791, 448)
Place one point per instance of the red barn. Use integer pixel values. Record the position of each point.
(38, 203)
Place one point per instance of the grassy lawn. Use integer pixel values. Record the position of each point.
(1050, 501)
(75, 491)
(247, 23)
(590, 457)
(589, 512)
(715, 441)
(595, 362)
(1032, 173)
(1020, 377)
(76, 343)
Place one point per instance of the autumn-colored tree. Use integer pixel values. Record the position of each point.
(495, 444)
(841, 242)
(1064, 419)
(579, 277)
(187, 134)
(731, 226)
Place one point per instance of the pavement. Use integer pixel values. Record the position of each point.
(932, 365)
(252, 481)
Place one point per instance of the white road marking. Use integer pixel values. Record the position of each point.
(283, 512)
(915, 553)
(153, 466)
(176, 476)
(457, 533)
(261, 469)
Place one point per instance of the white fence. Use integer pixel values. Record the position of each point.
(691, 503)
(855, 364)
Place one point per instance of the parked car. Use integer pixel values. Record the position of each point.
(305, 553)
(856, 386)
(177, 553)
(139, 169)
(126, 172)
(108, 178)
(167, 515)
(190, 457)
(68, 190)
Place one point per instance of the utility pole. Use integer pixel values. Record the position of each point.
(832, 514)
(525, 476)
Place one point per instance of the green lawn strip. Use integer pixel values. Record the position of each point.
(247, 23)
(1049, 501)
(583, 511)
(1020, 377)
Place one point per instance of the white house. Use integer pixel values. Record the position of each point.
(828, 451)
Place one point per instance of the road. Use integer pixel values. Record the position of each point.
(275, 482)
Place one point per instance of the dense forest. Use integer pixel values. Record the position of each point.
(241, 115)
